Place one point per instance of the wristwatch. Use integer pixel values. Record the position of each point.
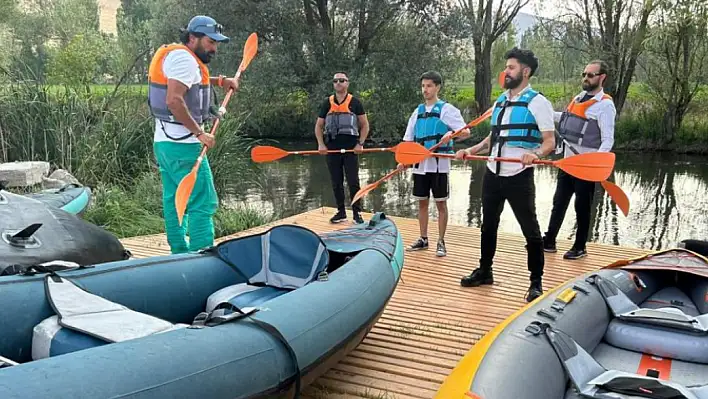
(360, 143)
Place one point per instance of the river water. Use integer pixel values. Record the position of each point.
(668, 195)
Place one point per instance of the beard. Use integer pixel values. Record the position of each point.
(204, 55)
(511, 82)
(587, 86)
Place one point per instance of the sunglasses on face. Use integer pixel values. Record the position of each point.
(591, 74)
(340, 80)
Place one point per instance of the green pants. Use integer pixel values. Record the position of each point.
(176, 161)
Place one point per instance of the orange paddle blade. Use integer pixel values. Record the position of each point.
(409, 152)
(501, 79)
(591, 166)
(371, 187)
(618, 195)
(249, 51)
(267, 153)
(184, 190)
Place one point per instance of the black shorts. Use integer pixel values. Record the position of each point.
(438, 183)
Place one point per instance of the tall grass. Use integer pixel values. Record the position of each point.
(100, 137)
(137, 210)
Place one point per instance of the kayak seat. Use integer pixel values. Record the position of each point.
(243, 295)
(661, 341)
(279, 260)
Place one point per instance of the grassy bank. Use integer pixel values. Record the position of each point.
(137, 210)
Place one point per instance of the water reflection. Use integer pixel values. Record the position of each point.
(668, 195)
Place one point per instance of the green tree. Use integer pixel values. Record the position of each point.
(79, 62)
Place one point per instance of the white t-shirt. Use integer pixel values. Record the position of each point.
(452, 117)
(179, 65)
(604, 112)
(542, 110)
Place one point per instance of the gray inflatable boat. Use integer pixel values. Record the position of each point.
(634, 329)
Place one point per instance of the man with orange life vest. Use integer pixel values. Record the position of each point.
(522, 127)
(587, 125)
(179, 98)
(342, 125)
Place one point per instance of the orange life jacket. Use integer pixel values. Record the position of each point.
(576, 128)
(340, 120)
(197, 97)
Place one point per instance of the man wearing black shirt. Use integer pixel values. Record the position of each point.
(342, 124)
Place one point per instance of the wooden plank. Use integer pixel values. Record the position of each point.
(430, 321)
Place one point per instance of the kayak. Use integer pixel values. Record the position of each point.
(71, 198)
(33, 233)
(636, 328)
(255, 316)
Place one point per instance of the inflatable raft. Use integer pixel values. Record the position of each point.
(71, 198)
(257, 316)
(634, 329)
(33, 233)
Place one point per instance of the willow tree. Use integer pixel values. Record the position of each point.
(675, 58)
(612, 30)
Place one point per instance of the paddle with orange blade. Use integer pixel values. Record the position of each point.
(266, 153)
(614, 191)
(185, 187)
(618, 195)
(367, 189)
(592, 166)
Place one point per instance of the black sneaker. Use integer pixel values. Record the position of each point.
(535, 290)
(441, 250)
(478, 277)
(421, 243)
(338, 217)
(357, 219)
(549, 246)
(575, 254)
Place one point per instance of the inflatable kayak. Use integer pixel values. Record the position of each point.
(34, 233)
(255, 316)
(71, 198)
(633, 329)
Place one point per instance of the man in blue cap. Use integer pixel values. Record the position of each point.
(179, 98)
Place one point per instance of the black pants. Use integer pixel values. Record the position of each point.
(584, 191)
(341, 165)
(520, 191)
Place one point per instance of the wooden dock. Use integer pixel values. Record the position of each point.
(430, 322)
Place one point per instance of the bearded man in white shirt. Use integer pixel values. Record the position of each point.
(179, 97)
(522, 127)
(587, 125)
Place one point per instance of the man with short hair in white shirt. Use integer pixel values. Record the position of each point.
(431, 123)
(522, 127)
(587, 125)
(179, 98)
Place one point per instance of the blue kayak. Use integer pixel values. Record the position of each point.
(256, 316)
(70, 198)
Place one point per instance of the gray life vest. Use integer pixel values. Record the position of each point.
(576, 128)
(197, 97)
(340, 120)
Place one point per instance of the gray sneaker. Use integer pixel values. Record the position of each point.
(421, 243)
(441, 250)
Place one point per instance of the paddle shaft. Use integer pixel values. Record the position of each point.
(342, 151)
(492, 159)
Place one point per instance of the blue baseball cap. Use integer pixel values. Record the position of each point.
(207, 26)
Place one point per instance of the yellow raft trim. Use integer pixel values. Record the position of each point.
(457, 383)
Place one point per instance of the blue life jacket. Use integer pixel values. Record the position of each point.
(522, 128)
(429, 128)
